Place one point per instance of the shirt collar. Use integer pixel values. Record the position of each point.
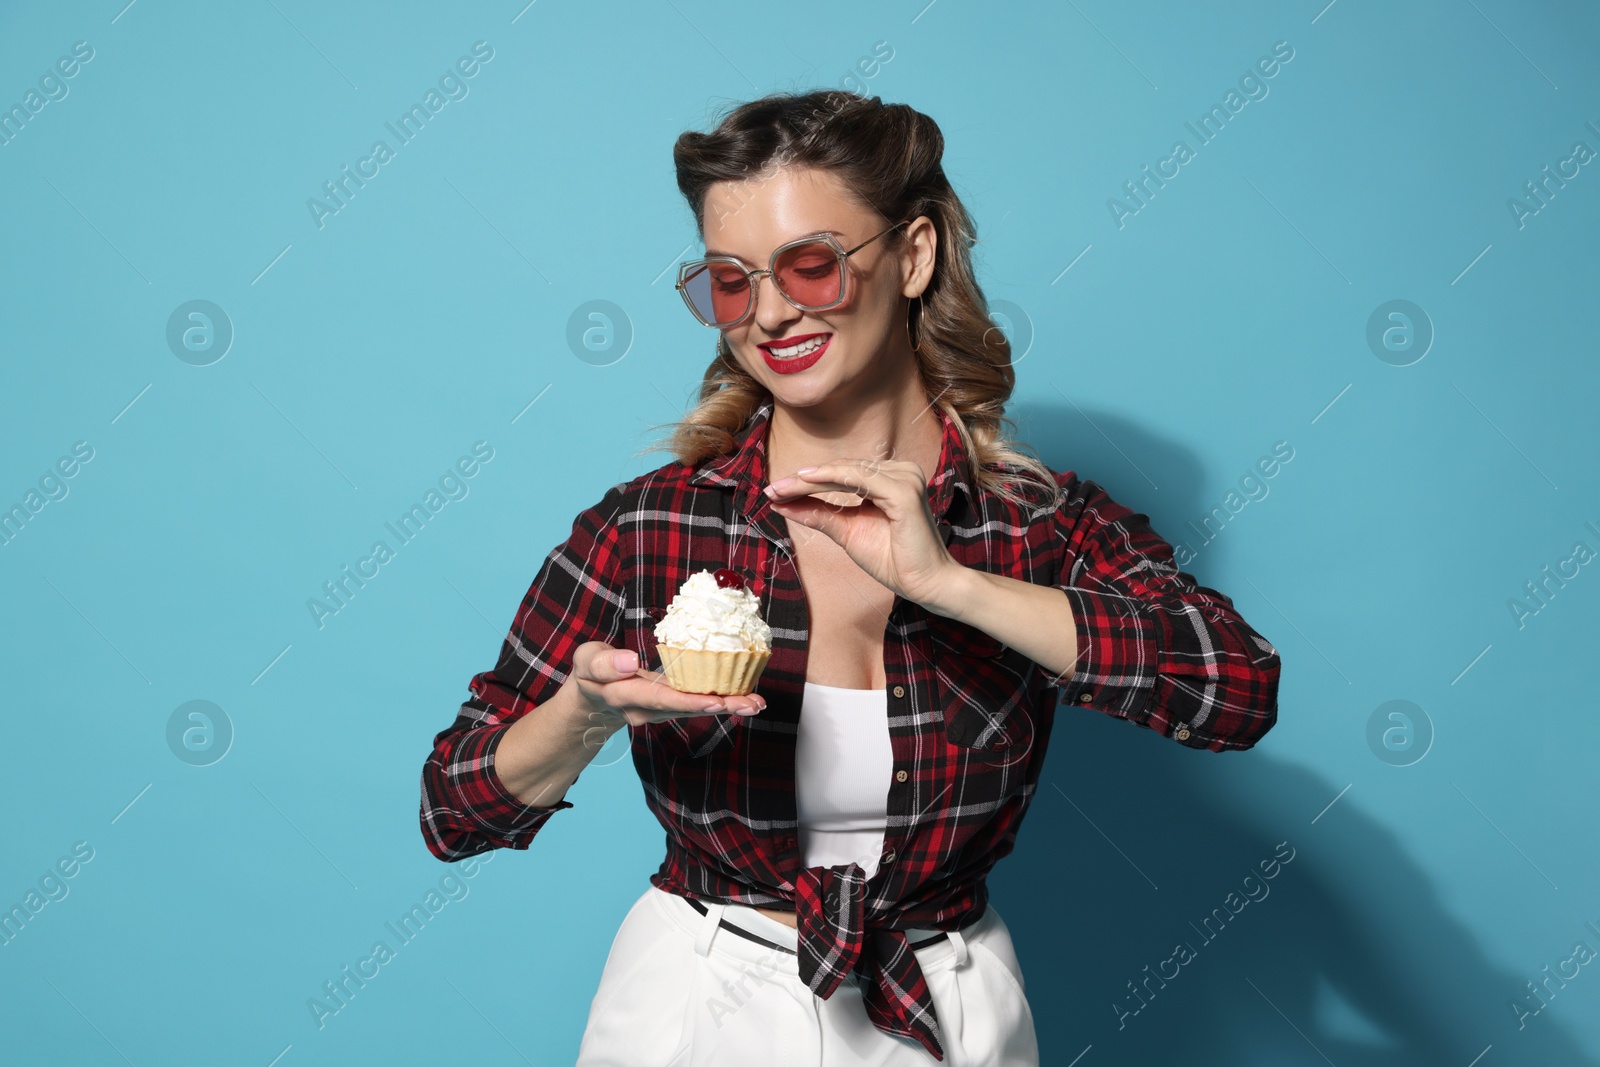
(744, 470)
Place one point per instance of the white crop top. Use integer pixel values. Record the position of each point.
(843, 761)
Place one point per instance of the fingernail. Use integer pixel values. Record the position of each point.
(780, 483)
(715, 705)
(625, 661)
(805, 470)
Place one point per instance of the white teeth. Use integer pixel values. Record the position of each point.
(800, 349)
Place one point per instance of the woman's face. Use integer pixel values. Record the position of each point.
(748, 219)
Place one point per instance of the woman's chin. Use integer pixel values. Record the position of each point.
(795, 393)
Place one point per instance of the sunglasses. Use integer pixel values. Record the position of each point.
(809, 273)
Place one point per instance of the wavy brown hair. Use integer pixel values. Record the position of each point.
(889, 157)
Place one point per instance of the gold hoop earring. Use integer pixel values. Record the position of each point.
(916, 345)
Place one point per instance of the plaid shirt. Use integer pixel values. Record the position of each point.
(969, 718)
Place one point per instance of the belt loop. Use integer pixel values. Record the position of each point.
(708, 926)
(959, 943)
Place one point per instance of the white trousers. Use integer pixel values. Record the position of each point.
(679, 990)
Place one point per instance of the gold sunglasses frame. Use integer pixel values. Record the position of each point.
(752, 293)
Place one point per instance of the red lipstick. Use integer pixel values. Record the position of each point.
(794, 364)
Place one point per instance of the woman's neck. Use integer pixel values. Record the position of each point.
(901, 426)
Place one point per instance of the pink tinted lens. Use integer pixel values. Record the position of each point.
(810, 274)
(720, 292)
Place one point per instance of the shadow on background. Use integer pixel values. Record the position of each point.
(1349, 958)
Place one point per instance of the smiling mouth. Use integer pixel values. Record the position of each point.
(794, 351)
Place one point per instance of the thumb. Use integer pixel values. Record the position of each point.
(816, 514)
(601, 662)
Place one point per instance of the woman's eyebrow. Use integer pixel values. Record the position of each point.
(814, 233)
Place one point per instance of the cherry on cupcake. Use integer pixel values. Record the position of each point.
(728, 579)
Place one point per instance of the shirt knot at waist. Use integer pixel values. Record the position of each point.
(835, 940)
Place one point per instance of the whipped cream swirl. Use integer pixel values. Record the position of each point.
(710, 617)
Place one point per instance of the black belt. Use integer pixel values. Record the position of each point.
(758, 939)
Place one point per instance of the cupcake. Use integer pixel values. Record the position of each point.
(712, 638)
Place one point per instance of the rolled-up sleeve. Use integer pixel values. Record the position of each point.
(1155, 647)
(577, 596)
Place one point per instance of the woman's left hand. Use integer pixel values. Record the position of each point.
(892, 534)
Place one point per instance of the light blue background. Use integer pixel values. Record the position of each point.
(1228, 314)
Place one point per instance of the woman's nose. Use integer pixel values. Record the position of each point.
(772, 310)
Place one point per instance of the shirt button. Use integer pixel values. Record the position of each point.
(899, 690)
(1085, 697)
(899, 776)
(1183, 733)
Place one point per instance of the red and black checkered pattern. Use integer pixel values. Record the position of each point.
(969, 718)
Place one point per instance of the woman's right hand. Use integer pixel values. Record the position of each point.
(613, 688)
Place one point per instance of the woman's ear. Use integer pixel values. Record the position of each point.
(922, 243)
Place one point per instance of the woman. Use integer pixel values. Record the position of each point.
(933, 594)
